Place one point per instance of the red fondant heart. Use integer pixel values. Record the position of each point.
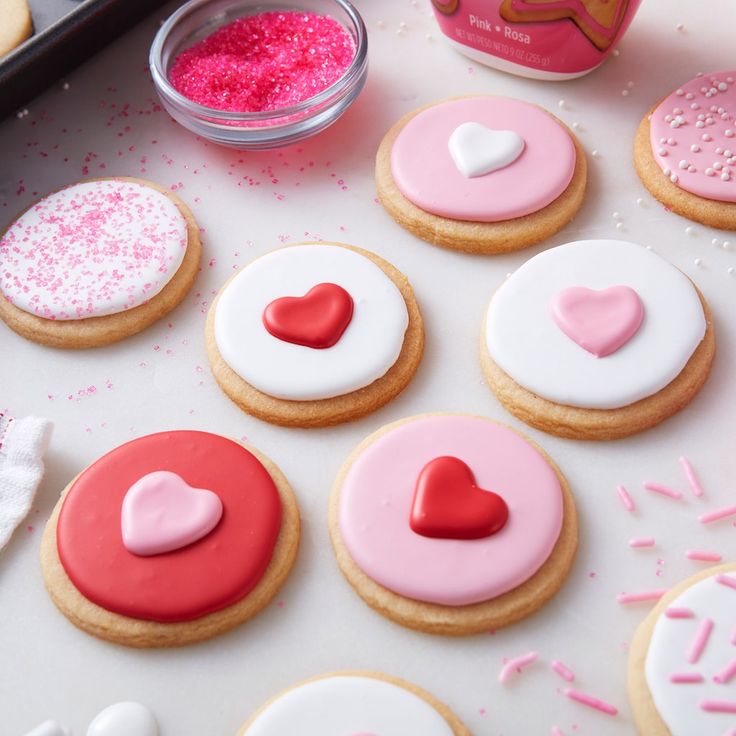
(449, 505)
(315, 320)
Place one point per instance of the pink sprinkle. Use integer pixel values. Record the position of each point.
(663, 490)
(692, 479)
(726, 580)
(703, 556)
(686, 678)
(702, 634)
(556, 731)
(678, 613)
(516, 665)
(716, 515)
(718, 706)
(563, 671)
(265, 61)
(726, 674)
(590, 701)
(626, 499)
(641, 542)
(647, 595)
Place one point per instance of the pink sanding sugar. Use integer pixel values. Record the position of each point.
(266, 61)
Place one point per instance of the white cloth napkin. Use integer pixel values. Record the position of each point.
(23, 443)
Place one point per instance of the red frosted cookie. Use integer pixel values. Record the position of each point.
(170, 538)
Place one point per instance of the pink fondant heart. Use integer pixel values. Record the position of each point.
(599, 321)
(161, 512)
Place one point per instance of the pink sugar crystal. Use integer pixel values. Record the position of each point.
(266, 61)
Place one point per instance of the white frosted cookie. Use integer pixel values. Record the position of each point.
(314, 334)
(682, 666)
(593, 339)
(354, 704)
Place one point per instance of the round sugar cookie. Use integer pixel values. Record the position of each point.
(314, 334)
(169, 539)
(481, 174)
(682, 670)
(685, 150)
(16, 26)
(452, 524)
(354, 703)
(96, 262)
(596, 340)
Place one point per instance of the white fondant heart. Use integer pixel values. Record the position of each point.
(478, 150)
(124, 719)
(161, 512)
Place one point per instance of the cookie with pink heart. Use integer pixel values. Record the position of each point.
(597, 339)
(452, 524)
(314, 334)
(170, 538)
(481, 174)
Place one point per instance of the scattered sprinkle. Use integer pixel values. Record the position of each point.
(563, 671)
(647, 595)
(637, 542)
(626, 499)
(516, 665)
(662, 490)
(703, 556)
(717, 515)
(590, 701)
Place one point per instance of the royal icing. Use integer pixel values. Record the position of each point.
(550, 364)
(315, 320)
(599, 321)
(366, 350)
(478, 150)
(124, 719)
(92, 249)
(690, 661)
(161, 512)
(449, 505)
(212, 573)
(693, 136)
(426, 172)
(343, 705)
(377, 495)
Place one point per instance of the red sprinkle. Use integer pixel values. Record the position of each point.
(266, 61)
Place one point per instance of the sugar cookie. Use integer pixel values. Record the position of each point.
(614, 340)
(96, 262)
(354, 704)
(314, 334)
(16, 26)
(452, 524)
(481, 174)
(202, 571)
(682, 667)
(685, 150)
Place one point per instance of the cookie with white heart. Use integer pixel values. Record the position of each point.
(452, 524)
(481, 174)
(314, 334)
(596, 340)
(354, 703)
(169, 539)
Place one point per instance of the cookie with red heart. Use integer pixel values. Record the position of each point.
(452, 524)
(314, 334)
(483, 174)
(597, 339)
(169, 539)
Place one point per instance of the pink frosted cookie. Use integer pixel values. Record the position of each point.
(685, 150)
(481, 174)
(682, 664)
(96, 261)
(452, 524)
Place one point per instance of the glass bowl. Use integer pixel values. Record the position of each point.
(255, 130)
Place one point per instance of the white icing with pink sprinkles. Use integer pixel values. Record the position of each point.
(93, 249)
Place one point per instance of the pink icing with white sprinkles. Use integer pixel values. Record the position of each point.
(93, 249)
(693, 136)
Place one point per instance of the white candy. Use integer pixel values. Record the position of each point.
(49, 728)
(124, 719)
